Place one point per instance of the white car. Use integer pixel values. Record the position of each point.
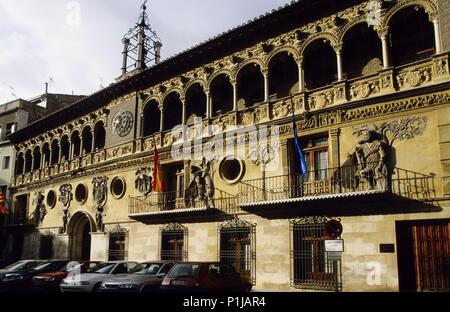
(91, 281)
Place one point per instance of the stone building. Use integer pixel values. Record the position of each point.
(14, 116)
(368, 83)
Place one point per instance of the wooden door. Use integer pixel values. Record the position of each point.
(432, 256)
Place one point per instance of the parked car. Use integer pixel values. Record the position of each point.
(205, 276)
(21, 265)
(145, 277)
(50, 281)
(91, 281)
(20, 279)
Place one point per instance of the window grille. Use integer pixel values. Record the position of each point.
(118, 244)
(174, 242)
(311, 266)
(237, 246)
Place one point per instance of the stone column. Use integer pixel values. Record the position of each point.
(208, 104)
(93, 141)
(234, 84)
(340, 72)
(32, 161)
(161, 120)
(334, 140)
(50, 161)
(437, 35)
(183, 117)
(24, 163)
(301, 80)
(60, 152)
(385, 48)
(81, 146)
(265, 73)
(43, 159)
(70, 150)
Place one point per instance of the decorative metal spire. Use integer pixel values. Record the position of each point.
(141, 45)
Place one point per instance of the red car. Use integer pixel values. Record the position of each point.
(50, 281)
(205, 276)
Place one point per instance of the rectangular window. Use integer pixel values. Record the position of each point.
(313, 268)
(6, 161)
(10, 128)
(316, 155)
(117, 246)
(237, 244)
(173, 243)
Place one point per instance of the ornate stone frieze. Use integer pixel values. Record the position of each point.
(364, 89)
(414, 78)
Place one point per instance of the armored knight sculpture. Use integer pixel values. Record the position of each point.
(100, 193)
(65, 196)
(201, 185)
(371, 156)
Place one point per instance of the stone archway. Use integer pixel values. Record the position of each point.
(80, 227)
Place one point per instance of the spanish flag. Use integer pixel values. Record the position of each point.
(157, 182)
(3, 209)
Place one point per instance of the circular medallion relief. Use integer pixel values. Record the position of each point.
(122, 123)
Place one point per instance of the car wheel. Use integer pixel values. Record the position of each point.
(96, 287)
(147, 289)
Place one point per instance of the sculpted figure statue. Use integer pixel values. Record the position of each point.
(371, 156)
(201, 185)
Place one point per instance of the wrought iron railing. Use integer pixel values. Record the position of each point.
(162, 202)
(333, 181)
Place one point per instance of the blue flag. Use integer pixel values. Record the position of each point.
(298, 150)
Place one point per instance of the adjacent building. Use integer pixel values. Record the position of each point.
(368, 84)
(16, 115)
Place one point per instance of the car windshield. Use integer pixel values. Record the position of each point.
(103, 268)
(22, 265)
(146, 268)
(72, 267)
(43, 266)
(184, 270)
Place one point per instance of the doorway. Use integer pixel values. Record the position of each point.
(423, 255)
(80, 227)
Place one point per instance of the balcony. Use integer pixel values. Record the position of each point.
(332, 189)
(157, 205)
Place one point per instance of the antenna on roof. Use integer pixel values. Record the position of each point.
(141, 45)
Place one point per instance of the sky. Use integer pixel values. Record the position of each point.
(76, 46)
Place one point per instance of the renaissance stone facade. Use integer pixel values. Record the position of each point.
(368, 82)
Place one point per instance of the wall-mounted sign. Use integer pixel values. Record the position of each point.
(336, 245)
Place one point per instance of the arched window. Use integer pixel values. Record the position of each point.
(195, 103)
(46, 154)
(76, 144)
(221, 95)
(36, 158)
(362, 52)
(55, 153)
(250, 86)
(99, 136)
(152, 119)
(320, 63)
(173, 111)
(19, 163)
(65, 148)
(87, 140)
(28, 161)
(283, 75)
(411, 36)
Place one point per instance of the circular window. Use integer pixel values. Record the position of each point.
(81, 193)
(118, 187)
(51, 199)
(231, 170)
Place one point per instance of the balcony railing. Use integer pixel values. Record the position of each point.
(334, 182)
(157, 203)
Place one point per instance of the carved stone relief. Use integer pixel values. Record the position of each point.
(100, 194)
(121, 123)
